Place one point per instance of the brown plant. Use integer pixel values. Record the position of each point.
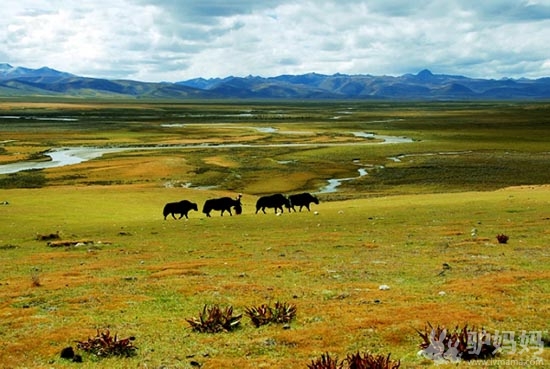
(502, 238)
(281, 312)
(370, 361)
(35, 277)
(325, 362)
(459, 344)
(105, 345)
(214, 319)
(355, 361)
(260, 315)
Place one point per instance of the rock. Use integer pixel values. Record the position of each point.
(67, 353)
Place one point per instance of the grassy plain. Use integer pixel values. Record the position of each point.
(406, 224)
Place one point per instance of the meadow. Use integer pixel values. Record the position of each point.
(423, 221)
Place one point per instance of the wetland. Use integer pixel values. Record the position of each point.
(298, 146)
(411, 196)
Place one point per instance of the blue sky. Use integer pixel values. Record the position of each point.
(174, 40)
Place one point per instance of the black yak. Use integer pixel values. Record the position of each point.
(301, 200)
(223, 204)
(183, 207)
(276, 201)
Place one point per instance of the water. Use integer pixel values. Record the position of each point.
(333, 184)
(75, 155)
(385, 139)
(59, 157)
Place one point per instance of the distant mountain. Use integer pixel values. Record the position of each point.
(422, 86)
(20, 81)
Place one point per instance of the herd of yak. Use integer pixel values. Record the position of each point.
(223, 204)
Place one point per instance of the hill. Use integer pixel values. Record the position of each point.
(20, 81)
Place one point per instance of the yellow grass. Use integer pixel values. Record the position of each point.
(144, 276)
(140, 275)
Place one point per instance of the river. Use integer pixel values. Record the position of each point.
(74, 155)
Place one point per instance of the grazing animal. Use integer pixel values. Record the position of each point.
(276, 201)
(183, 207)
(301, 200)
(223, 204)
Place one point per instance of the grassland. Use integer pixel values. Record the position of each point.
(407, 224)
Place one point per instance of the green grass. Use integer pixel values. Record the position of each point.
(147, 275)
(497, 144)
(399, 225)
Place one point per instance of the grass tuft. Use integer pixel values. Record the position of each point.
(35, 277)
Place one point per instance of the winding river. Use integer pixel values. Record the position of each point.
(333, 184)
(74, 155)
(59, 157)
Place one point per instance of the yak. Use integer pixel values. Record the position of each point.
(183, 207)
(301, 200)
(276, 201)
(223, 204)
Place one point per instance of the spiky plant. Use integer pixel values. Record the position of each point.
(105, 345)
(214, 319)
(370, 361)
(458, 344)
(325, 362)
(260, 315)
(283, 312)
(264, 314)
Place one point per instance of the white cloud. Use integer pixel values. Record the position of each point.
(173, 40)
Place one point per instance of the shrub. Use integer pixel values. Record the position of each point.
(260, 315)
(214, 319)
(105, 345)
(325, 362)
(370, 361)
(440, 344)
(355, 361)
(502, 238)
(265, 314)
(48, 236)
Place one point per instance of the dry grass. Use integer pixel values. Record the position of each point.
(157, 273)
(409, 227)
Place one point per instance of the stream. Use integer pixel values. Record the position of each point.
(74, 155)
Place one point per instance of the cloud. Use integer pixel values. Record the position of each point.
(513, 11)
(172, 40)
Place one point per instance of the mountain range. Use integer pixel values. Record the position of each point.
(21, 81)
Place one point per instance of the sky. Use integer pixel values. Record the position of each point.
(176, 40)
